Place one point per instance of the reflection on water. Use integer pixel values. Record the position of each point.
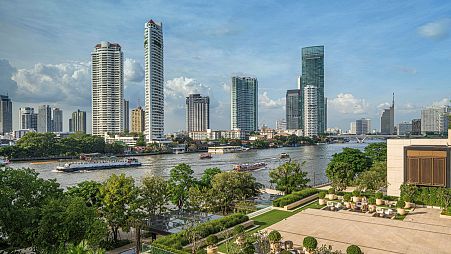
(317, 157)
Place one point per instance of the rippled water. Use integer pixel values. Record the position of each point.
(317, 157)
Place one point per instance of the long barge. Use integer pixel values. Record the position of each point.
(100, 164)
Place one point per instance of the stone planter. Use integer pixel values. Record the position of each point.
(307, 251)
(408, 204)
(372, 208)
(356, 199)
(331, 196)
(321, 201)
(212, 249)
(401, 211)
(275, 247)
(379, 201)
(348, 205)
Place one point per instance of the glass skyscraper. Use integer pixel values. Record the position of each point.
(293, 109)
(244, 103)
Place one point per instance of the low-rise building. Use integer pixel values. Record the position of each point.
(127, 140)
(404, 128)
(224, 149)
(20, 133)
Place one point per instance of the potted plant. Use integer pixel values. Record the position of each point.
(347, 199)
(353, 249)
(372, 206)
(274, 238)
(408, 193)
(379, 196)
(211, 242)
(321, 196)
(400, 207)
(309, 244)
(331, 194)
(356, 196)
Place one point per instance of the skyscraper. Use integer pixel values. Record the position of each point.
(154, 80)
(244, 103)
(126, 116)
(28, 119)
(311, 111)
(416, 127)
(44, 119)
(57, 120)
(138, 120)
(293, 109)
(78, 122)
(363, 126)
(434, 120)
(6, 114)
(313, 75)
(197, 113)
(107, 88)
(388, 119)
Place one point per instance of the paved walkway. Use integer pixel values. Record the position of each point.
(427, 233)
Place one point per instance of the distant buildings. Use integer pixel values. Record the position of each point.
(404, 128)
(107, 89)
(281, 124)
(244, 103)
(353, 128)
(44, 119)
(126, 116)
(28, 120)
(197, 113)
(311, 115)
(416, 127)
(57, 120)
(217, 134)
(294, 109)
(6, 114)
(78, 122)
(388, 119)
(154, 80)
(363, 126)
(138, 120)
(434, 120)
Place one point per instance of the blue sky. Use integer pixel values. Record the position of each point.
(372, 48)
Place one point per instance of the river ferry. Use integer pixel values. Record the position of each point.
(284, 156)
(249, 167)
(99, 164)
(205, 156)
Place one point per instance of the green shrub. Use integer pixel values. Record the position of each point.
(408, 192)
(372, 201)
(284, 252)
(293, 197)
(356, 193)
(162, 249)
(400, 203)
(274, 236)
(347, 197)
(238, 230)
(353, 249)
(310, 243)
(322, 194)
(433, 196)
(378, 195)
(212, 240)
(331, 191)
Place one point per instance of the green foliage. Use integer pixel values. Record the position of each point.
(347, 197)
(294, 140)
(379, 195)
(356, 193)
(208, 174)
(260, 144)
(238, 230)
(274, 236)
(408, 192)
(322, 194)
(181, 179)
(341, 174)
(212, 240)
(141, 140)
(293, 197)
(331, 190)
(433, 196)
(377, 151)
(285, 252)
(372, 201)
(154, 191)
(375, 178)
(289, 177)
(310, 243)
(89, 191)
(400, 203)
(353, 249)
(81, 248)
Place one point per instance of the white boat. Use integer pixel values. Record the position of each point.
(249, 167)
(100, 164)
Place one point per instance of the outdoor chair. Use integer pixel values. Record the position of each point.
(339, 206)
(388, 212)
(380, 211)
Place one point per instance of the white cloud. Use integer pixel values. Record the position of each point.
(8, 86)
(383, 106)
(178, 88)
(442, 102)
(133, 71)
(435, 30)
(267, 102)
(346, 103)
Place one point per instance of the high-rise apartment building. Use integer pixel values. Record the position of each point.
(313, 75)
(28, 119)
(78, 122)
(353, 128)
(311, 111)
(404, 128)
(416, 127)
(126, 116)
(107, 88)
(363, 126)
(388, 119)
(138, 120)
(197, 113)
(154, 80)
(44, 119)
(293, 109)
(6, 114)
(244, 103)
(281, 124)
(57, 120)
(434, 120)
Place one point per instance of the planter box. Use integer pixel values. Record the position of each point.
(445, 216)
(300, 202)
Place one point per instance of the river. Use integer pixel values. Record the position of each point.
(317, 157)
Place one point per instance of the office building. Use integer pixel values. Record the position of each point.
(107, 89)
(281, 124)
(404, 128)
(28, 120)
(244, 103)
(388, 119)
(126, 116)
(6, 114)
(138, 120)
(313, 75)
(57, 120)
(293, 109)
(353, 128)
(363, 126)
(434, 120)
(44, 119)
(154, 80)
(197, 113)
(78, 122)
(416, 127)
(311, 111)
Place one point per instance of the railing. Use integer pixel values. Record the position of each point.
(259, 212)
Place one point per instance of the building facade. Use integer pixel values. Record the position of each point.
(126, 116)
(107, 89)
(28, 120)
(244, 103)
(416, 127)
(57, 120)
(434, 120)
(154, 80)
(311, 111)
(138, 120)
(404, 128)
(281, 124)
(78, 122)
(293, 109)
(6, 114)
(197, 113)
(44, 123)
(363, 126)
(388, 119)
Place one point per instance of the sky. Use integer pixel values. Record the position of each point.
(372, 49)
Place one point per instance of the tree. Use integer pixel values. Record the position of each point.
(376, 151)
(118, 193)
(154, 191)
(289, 177)
(81, 248)
(89, 191)
(356, 160)
(208, 174)
(341, 174)
(38, 144)
(181, 179)
(375, 178)
(141, 141)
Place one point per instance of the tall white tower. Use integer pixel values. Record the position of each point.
(310, 111)
(107, 88)
(154, 80)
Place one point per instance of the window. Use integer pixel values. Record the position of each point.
(426, 167)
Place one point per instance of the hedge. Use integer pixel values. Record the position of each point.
(293, 197)
(178, 240)
(432, 196)
(156, 248)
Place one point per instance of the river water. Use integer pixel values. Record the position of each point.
(317, 157)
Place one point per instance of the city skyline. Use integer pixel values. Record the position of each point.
(203, 64)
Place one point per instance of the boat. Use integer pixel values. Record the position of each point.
(205, 156)
(4, 162)
(284, 156)
(99, 164)
(249, 167)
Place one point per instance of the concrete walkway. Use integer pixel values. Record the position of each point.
(373, 235)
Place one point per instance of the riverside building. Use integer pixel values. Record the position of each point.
(244, 103)
(28, 120)
(78, 122)
(197, 113)
(138, 120)
(6, 114)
